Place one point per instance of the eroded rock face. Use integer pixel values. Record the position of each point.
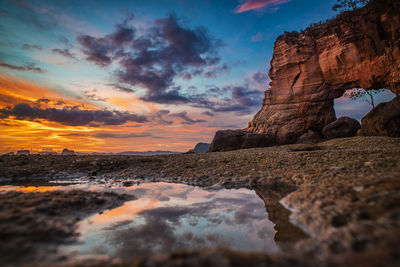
(342, 127)
(309, 70)
(383, 120)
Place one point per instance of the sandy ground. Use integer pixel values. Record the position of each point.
(345, 193)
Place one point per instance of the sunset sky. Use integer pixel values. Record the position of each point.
(138, 75)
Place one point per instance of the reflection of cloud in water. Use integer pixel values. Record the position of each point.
(159, 234)
(171, 217)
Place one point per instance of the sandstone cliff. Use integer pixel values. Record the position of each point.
(359, 49)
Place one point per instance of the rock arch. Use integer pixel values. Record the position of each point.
(312, 68)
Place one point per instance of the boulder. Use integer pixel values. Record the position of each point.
(309, 137)
(383, 120)
(227, 140)
(342, 127)
(23, 152)
(67, 152)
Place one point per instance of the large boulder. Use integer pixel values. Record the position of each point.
(309, 137)
(383, 120)
(342, 127)
(227, 140)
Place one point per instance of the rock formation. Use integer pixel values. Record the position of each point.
(238, 139)
(23, 152)
(359, 49)
(200, 148)
(383, 120)
(342, 127)
(67, 152)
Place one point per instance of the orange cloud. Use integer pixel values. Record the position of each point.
(15, 90)
(257, 4)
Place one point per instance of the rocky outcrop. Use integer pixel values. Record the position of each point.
(23, 152)
(200, 148)
(359, 49)
(238, 139)
(67, 152)
(383, 120)
(342, 127)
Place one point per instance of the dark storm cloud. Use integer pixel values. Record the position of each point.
(31, 47)
(216, 71)
(154, 59)
(185, 118)
(169, 97)
(121, 88)
(160, 117)
(64, 52)
(27, 67)
(113, 135)
(240, 99)
(167, 50)
(97, 50)
(118, 135)
(208, 113)
(43, 100)
(246, 97)
(70, 116)
(260, 77)
(92, 95)
(102, 51)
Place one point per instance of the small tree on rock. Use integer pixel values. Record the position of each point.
(366, 95)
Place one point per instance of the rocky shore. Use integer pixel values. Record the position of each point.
(33, 224)
(344, 193)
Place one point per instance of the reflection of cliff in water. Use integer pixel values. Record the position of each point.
(286, 232)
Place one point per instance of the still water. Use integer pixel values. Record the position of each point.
(168, 217)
